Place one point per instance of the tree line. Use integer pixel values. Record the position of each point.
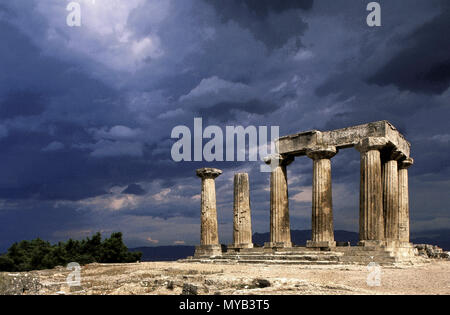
(38, 254)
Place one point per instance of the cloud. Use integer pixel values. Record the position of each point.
(272, 22)
(3, 131)
(218, 89)
(86, 113)
(134, 189)
(423, 64)
(111, 202)
(162, 195)
(22, 103)
(116, 133)
(53, 146)
(214, 92)
(152, 241)
(107, 148)
(303, 196)
(215, 95)
(441, 138)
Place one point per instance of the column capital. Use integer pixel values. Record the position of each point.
(406, 163)
(278, 159)
(371, 143)
(321, 152)
(208, 173)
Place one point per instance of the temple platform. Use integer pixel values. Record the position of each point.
(385, 254)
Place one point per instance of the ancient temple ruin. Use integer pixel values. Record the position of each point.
(383, 206)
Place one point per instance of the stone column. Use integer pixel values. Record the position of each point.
(209, 234)
(403, 200)
(371, 221)
(390, 196)
(322, 208)
(280, 229)
(242, 227)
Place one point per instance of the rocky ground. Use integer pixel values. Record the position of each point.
(190, 278)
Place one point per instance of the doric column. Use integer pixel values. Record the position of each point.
(371, 221)
(280, 230)
(209, 234)
(322, 207)
(403, 199)
(390, 195)
(242, 227)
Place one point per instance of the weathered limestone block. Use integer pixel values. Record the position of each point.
(280, 230)
(322, 208)
(371, 221)
(403, 199)
(209, 234)
(242, 228)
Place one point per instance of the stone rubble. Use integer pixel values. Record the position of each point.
(430, 251)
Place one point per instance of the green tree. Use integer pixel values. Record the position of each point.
(38, 254)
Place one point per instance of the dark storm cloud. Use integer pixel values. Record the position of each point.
(47, 102)
(22, 103)
(259, 9)
(225, 111)
(37, 220)
(89, 110)
(134, 189)
(423, 65)
(268, 20)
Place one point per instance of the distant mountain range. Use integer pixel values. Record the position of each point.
(440, 238)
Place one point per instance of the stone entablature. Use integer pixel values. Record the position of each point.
(298, 144)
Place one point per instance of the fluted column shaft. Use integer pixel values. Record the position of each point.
(371, 221)
(403, 199)
(280, 230)
(242, 227)
(209, 234)
(390, 200)
(209, 228)
(322, 206)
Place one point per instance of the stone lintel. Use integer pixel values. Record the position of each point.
(297, 144)
(208, 172)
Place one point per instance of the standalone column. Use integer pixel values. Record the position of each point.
(403, 199)
(322, 207)
(280, 230)
(371, 221)
(209, 234)
(390, 197)
(242, 228)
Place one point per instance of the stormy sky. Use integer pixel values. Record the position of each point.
(86, 113)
